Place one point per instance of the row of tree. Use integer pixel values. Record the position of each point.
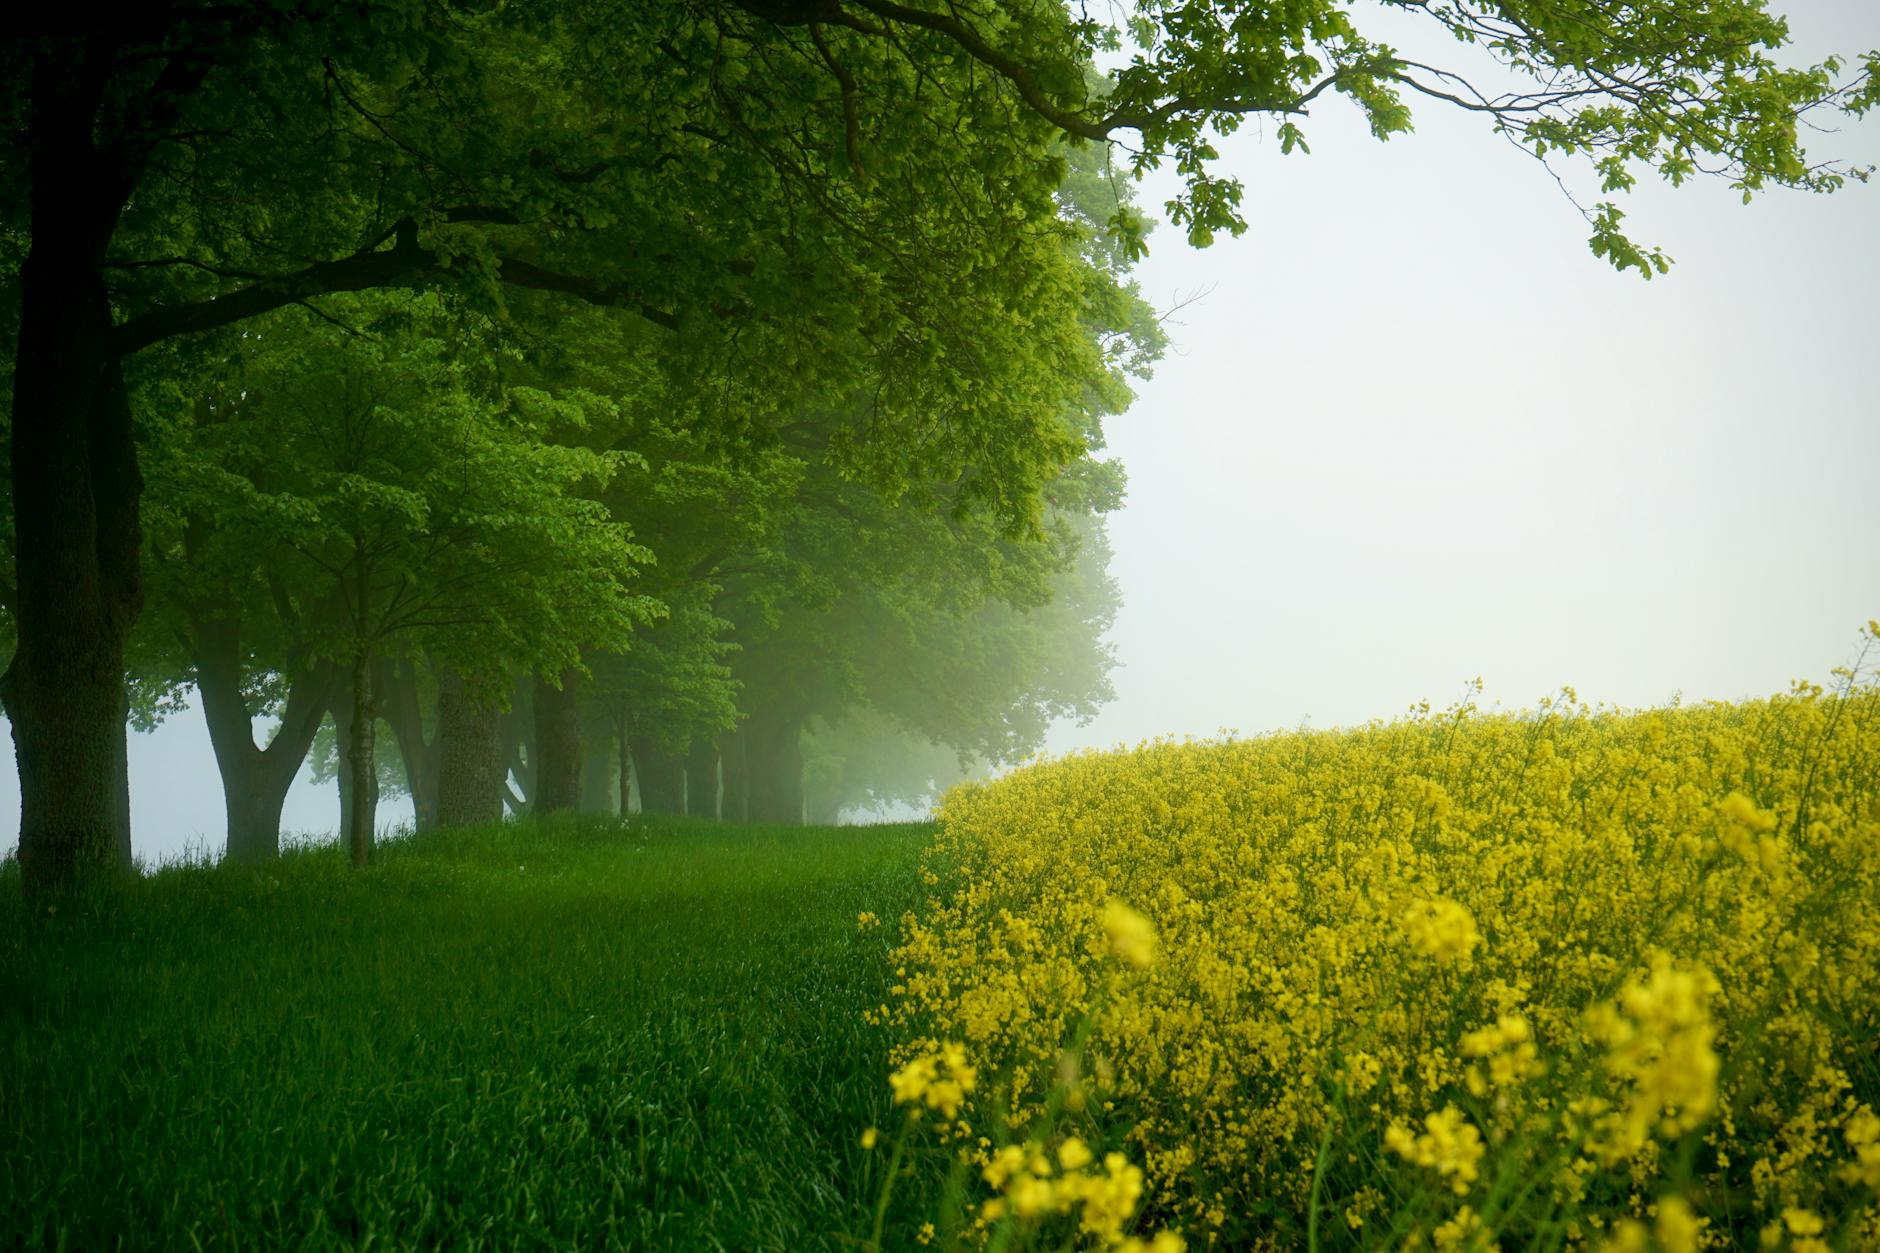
(454, 339)
(544, 568)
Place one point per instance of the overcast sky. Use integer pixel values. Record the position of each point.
(1412, 432)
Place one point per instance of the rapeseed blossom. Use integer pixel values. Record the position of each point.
(1621, 966)
(1441, 930)
(1132, 937)
(938, 1080)
(1448, 1145)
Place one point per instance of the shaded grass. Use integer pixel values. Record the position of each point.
(565, 1036)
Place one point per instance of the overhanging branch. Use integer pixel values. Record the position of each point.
(406, 261)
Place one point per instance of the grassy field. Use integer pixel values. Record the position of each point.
(566, 1037)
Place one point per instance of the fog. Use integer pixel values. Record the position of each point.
(1411, 431)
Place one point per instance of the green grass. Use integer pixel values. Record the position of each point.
(574, 1036)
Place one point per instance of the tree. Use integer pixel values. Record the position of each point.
(162, 169)
(1668, 86)
(382, 474)
(865, 761)
(817, 173)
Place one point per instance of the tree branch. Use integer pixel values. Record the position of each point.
(371, 267)
(359, 272)
(1013, 70)
(851, 124)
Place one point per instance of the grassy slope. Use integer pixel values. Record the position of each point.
(562, 1038)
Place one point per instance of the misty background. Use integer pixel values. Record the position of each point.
(1410, 431)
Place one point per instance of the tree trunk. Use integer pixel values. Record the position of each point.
(597, 770)
(75, 509)
(395, 685)
(341, 713)
(701, 779)
(662, 778)
(774, 756)
(623, 749)
(363, 807)
(557, 745)
(470, 765)
(736, 804)
(255, 780)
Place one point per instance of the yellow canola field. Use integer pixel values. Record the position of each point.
(1570, 978)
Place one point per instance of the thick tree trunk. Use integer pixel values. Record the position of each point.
(662, 778)
(701, 779)
(255, 780)
(736, 804)
(557, 745)
(774, 756)
(365, 777)
(75, 508)
(470, 765)
(395, 685)
(341, 713)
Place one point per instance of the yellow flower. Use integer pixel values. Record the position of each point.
(1073, 1154)
(1743, 811)
(940, 1080)
(1323, 903)
(1457, 1230)
(1006, 1163)
(1659, 1036)
(1441, 929)
(1862, 1134)
(1450, 1145)
(1508, 1047)
(911, 1081)
(1802, 1222)
(1110, 1199)
(1132, 936)
(1164, 1242)
(1679, 1229)
(1628, 1236)
(869, 1137)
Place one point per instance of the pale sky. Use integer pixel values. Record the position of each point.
(1413, 432)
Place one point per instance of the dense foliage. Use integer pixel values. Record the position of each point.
(1543, 979)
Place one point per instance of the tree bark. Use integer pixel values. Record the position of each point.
(701, 779)
(75, 502)
(662, 778)
(255, 780)
(76, 485)
(470, 765)
(557, 745)
(363, 807)
(774, 755)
